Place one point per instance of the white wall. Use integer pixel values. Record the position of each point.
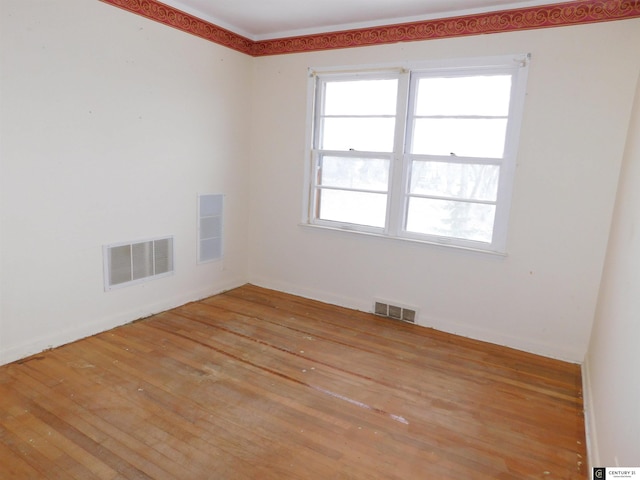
(111, 124)
(613, 360)
(540, 298)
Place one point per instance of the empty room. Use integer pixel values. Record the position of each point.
(243, 239)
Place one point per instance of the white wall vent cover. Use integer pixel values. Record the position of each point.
(130, 263)
(210, 208)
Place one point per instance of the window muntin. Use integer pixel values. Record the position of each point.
(426, 153)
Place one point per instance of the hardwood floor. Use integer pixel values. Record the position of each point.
(257, 384)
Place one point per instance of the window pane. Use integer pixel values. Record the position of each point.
(361, 97)
(363, 134)
(462, 137)
(358, 173)
(478, 95)
(469, 181)
(353, 207)
(469, 221)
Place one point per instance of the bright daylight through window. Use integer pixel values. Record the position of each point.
(423, 152)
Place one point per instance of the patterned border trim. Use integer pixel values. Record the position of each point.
(556, 15)
(175, 18)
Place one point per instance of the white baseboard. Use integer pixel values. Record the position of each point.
(593, 454)
(312, 294)
(558, 352)
(45, 342)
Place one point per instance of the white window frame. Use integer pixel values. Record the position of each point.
(400, 160)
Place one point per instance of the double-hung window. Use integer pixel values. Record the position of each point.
(423, 152)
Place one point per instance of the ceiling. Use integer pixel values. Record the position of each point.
(268, 19)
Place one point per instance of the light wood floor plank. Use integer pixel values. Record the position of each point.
(255, 383)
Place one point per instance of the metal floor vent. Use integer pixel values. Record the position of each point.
(130, 263)
(396, 312)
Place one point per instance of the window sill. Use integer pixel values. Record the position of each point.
(405, 239)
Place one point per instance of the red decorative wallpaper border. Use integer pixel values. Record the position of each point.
(563, 14)
(173, 17)
(556, 15)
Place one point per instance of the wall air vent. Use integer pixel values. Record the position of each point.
(397, 312)
(135, 262)
(210, 207)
